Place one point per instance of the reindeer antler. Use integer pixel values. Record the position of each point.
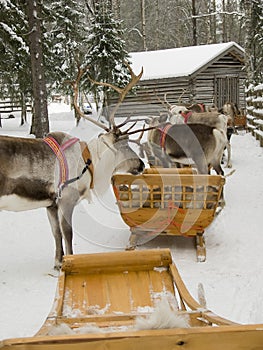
(75, 85)
(121, 91)
(164, 102)
(182, 94)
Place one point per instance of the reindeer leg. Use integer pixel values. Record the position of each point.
(220, 171)
(228, 147)
(52, 213)
(65, 211)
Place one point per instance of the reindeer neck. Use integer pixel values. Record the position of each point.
(103, 163)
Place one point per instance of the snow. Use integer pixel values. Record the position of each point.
(177, 62)
(232, 275)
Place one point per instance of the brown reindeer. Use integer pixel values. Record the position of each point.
(202, 143)
(199, 114)
(59, 171)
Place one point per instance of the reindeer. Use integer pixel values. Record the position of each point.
(196, 114)
(59, 171)
(202, 143)
(230, 109)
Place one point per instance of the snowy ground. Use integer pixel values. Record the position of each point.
(232, 275)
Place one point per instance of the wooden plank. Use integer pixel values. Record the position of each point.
(174, 171)
(161, 285)
(139, 282)
(95, 294)
(198, 338)
(67, 296)
(169, 179)
(176, 223)
(182, 290)
(115, 261)
(118, 292)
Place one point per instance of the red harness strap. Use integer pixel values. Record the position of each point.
(59, 152)
(202, 107)
(164, 132)
(186, 116)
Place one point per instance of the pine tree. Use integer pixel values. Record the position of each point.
(254, 39)
(107, 54)
(15, 57)
(63, 25)
(65, 41)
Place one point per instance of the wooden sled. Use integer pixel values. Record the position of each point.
(240, 121)
(168, 202)
(103, 294)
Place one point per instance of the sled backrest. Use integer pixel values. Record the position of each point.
(185, 191)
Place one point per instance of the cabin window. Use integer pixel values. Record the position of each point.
(227, 90)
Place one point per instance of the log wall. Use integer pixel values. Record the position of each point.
(215, 83)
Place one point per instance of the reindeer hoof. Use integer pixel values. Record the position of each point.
(57, 265)
(130, 247)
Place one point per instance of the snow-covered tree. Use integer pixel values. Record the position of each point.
(63, 27)
(65, 41)
(15, 57)
(254, 39)
(106, 50)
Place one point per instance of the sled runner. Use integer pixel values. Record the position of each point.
(168, 202)
(100, 296)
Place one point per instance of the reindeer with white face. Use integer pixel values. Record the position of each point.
(32, 173)
(196, 114)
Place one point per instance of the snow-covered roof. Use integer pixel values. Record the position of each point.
(178, 62)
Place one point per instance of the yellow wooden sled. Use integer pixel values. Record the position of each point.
(168, 201)
(103, 294)
(240, 121)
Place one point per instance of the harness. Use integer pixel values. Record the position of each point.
(164, 130)
(202, 107)
(59, 151)
(186, 116)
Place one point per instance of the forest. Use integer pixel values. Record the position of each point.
(45, 43)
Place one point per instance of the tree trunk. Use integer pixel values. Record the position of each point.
(224, 30)
(40, 124)
(157, 38)
(248, 40)
(23, 108)
(194, 23)
(143, 24)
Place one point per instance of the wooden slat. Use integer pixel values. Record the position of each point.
(173, 171)
(198, 338)
(169, 179)
(116, 261)
(151, 219)
(182, 290)
(118, 293)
